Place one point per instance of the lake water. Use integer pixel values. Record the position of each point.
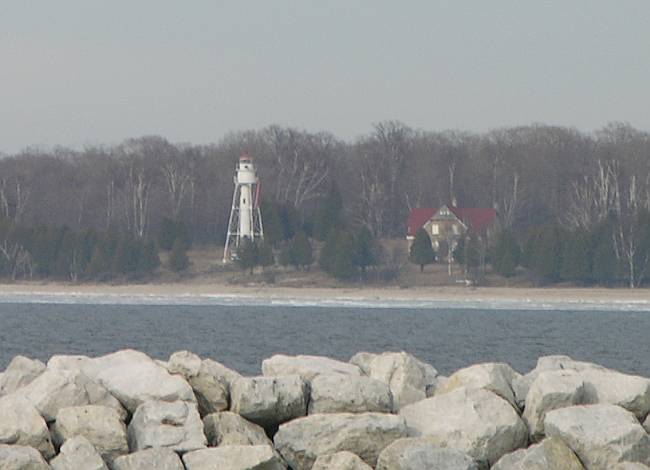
(241, 334)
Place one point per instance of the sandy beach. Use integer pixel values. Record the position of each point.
(446, 293)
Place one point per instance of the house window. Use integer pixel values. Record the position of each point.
(435, 230)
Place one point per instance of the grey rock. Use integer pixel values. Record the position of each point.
(176, 425)
(493, 376)
(646, 424)
(551, 390)
(21, 424)
(303, 440)
(362, 360)
(269, 401)
(78, 454)
(307, 367)
(349, 394)
(211, 386)
(184, 363)
(343, 460)
(56, 389)
(474, 420)
(20, 372)
(415, 453)
(407, 377)
(234, 458)
(551, 453)
(227, 429)
(600, 435)
(159, 458)
(16, 457)
(101, 425)
(133, 378)
(631, 466)
(68, 362)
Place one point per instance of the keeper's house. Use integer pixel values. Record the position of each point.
(450, 224)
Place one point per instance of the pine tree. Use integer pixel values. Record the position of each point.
(328, 252)
(300, 251)
(421, 252)
(506, 254)
(178, 259)
(577, 257)
(343, 266)
(247, 254)
(265, 255)
(365, 251)
(547, 256)
(329, 213)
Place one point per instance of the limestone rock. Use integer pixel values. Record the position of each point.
(133, 378)
(184, 363)
(234, 458)
(22, 425)
(414, 453)
(343, 460)
(646, 424)
(159, 458)
(475, 421)
(307, 367)
(270, 401)
(406, 376)
(228, 429)
(78, 454)
(363, 360)
(493, 376)
(20, 372)
(436, 386)
(176, 425)
(631, 466)
(211, 386)
(101, 425)
(600, 435)
(303, 440)
(349, 394)
(18, 457)
(551, 453)
(551, 390)
(56, 389)
(68, 362)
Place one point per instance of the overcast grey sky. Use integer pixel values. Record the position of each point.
(76, 72)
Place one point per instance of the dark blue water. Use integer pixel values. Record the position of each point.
(240, 337)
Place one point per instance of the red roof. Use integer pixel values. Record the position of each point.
(477, 219)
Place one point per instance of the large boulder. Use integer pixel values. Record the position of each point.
(270, 401)
(18, 457)
(303, 440)
(101, 425)
(68, 362)
(551, 453)
(604, 386)
(631, 466)
(307, 367)
(21, 424)
(349, 394)
(211, 386)
(133, 378)
(176, 425)
(343, 460)
(20, 372)
(407, 377)
(496, 377)
(415, 453)
(56, 389)
(158, 458)
(78, 454)
(234, 458)
(551, 390)
(646, 424)
(229, 429)
(184, 363)
(600, 435)
(474, 421)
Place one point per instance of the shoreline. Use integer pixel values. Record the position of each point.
(446, 294)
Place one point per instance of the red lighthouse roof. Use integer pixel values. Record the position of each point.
(477, 219)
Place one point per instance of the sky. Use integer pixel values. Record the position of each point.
(86, 72)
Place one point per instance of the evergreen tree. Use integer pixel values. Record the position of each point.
(577, 257)
(421, 252)
(247, 254)
(265, 255)
(365, 250)
(343, 266)
(273, 232)
(328, 252)
(546, 259)
(178, 259)
(300, 251)
(167, 234)
(505, 258)
(329, 213)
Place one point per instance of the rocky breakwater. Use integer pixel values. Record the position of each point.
(390, 411)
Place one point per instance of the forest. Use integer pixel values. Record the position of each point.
(562, 195)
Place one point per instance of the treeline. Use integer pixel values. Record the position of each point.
(534, 176)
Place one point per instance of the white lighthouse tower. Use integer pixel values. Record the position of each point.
(245, 216)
